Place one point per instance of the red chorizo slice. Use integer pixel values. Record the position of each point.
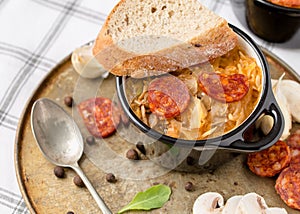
(295, 155)
(168, 96)
(100, 116)
(288, 184)
(294, 139)
(222, 87)
(271, 161)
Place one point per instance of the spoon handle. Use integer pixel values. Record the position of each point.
(103, 207)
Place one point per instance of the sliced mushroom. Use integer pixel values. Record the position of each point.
(198, 114)
(85, 64)
(232, 204)
(254, 203)
(153, 120)
(195, 115)
(212, 203)
(251, 203)
(208, 203)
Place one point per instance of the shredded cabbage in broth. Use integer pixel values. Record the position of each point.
(204, 117)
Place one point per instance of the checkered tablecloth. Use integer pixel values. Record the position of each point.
(36, 34)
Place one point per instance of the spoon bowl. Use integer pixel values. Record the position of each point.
(56, 133)
(60, 140)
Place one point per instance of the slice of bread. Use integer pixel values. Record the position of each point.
(150, 37)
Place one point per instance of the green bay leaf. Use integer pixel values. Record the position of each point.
(154, 197)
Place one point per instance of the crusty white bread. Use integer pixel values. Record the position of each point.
(150, 37)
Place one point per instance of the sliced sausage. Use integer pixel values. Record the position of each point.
(294, 139)
(295, 155)
(294, 144)
(100, 116)
(288, 185)
(168, 96)
(271, 161)
(222, 87)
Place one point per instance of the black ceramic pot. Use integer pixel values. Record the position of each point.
(222, 146)
(272, 22)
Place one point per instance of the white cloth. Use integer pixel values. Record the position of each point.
(36, 34)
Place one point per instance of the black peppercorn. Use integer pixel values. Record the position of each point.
(111, 178)
(189, 186)
(141, 148)
(59, 172)
(68, 100)
(90, 140)
(78, 181)
(190, 161)
(70, 212)
(132, 154)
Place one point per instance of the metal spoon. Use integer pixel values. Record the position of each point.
(60, 140)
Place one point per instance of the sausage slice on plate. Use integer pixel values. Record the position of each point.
(294, 143)
(100, 116)
(288, 184)
(294, 139)
(271, 161)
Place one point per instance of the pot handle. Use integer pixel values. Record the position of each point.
(270, 138)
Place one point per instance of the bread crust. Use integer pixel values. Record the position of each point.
(215, 42)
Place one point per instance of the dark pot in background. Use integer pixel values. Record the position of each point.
(272, 22)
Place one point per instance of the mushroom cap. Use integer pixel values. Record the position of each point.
(251, 203)
(232, 204)
(208, 203)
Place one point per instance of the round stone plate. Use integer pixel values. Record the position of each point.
(45, 193)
